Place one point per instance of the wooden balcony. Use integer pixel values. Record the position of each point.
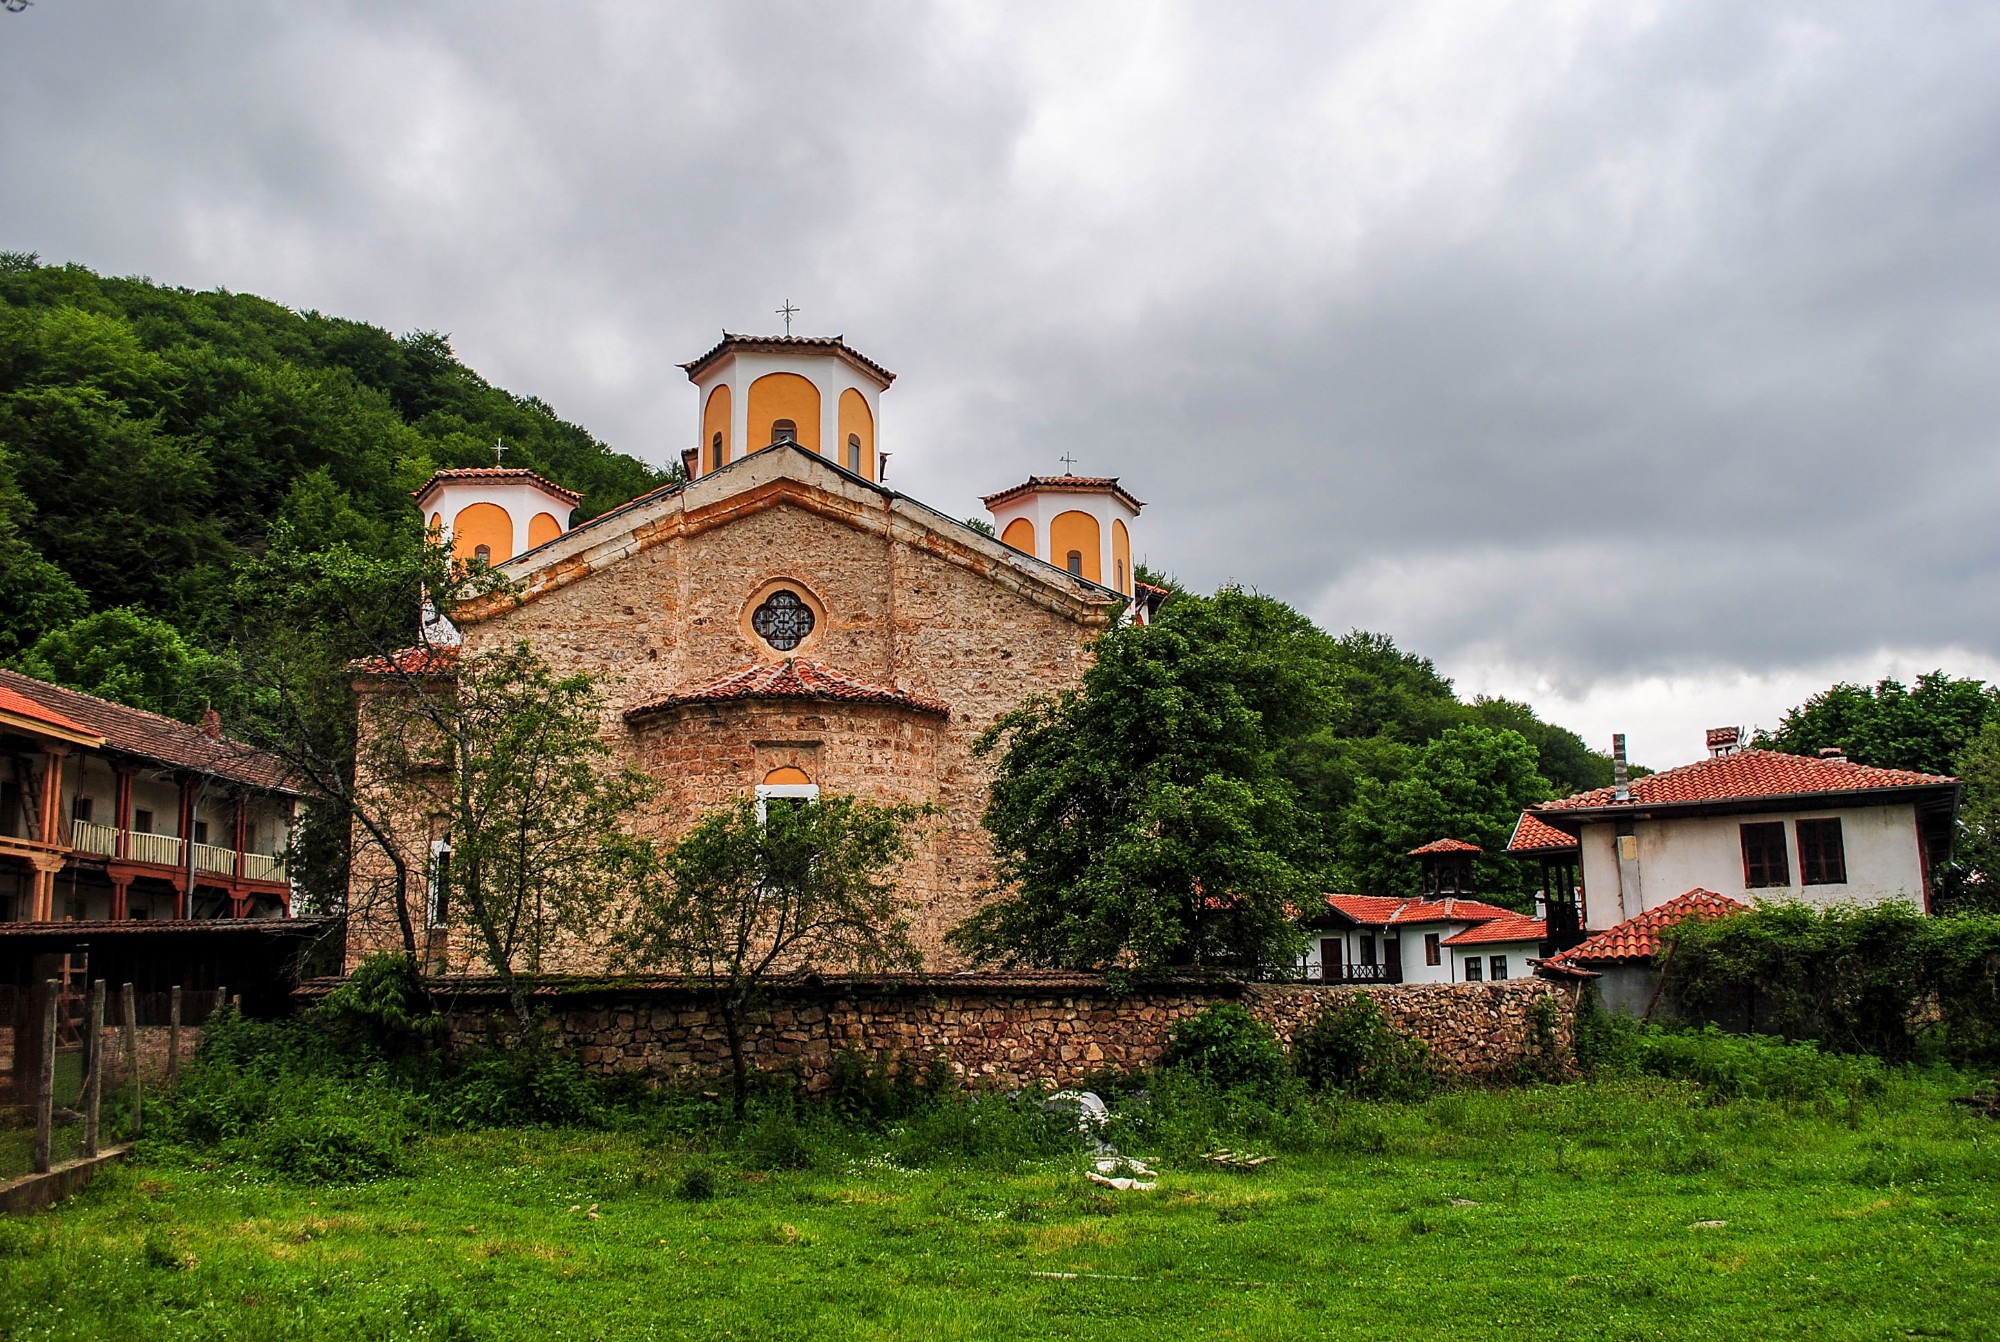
(164, 850)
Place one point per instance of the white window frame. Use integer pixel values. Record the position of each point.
(783, 791)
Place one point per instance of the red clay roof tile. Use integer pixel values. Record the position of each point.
(134, 731)
(780, 344)
(496, 473)
(12, 701)
(1519, 927)
(793, 678)
(1387, 910)
(1445, 846)
(1747, 774)
(1532, 835)
(1064, 484)
(1638, 938)
(433, 660)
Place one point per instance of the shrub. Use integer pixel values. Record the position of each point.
(881, 1090)
(696, 1184)
(1885, 980)
(526, 1088)
(323, 1132)
(1229, 1048)
(778, 1139)
(1731, 1066)
(996, 1131)
(1351, 1048)
(1606, 1041)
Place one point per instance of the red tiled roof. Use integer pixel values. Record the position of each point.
(1638, 938)
(20, 705)
(781, 344)
(134, 731)
(1065, 484)
(793, 678)
(1533, 835)
(1387, 910)
(496, 474)
(1520, 927)
(1747, 774)
(429, 660)
(1445, 846)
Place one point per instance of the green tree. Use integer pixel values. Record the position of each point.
(759, 892)
(1145, 818)
(1923, 727)
(1470, 783)
(35, 595)
(132, 658)
(1972, 882)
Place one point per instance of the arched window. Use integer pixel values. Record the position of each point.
(1118, 566)
(854, 453)
(1075, 562)
(787, 787)
(483, 553)
(715, 450)
(784, 431)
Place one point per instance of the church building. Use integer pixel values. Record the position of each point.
(782, 622)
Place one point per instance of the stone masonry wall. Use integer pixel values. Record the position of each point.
(1001, 1030)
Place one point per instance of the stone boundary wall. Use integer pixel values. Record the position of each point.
(1000, 1031)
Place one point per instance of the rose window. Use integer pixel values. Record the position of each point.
(783, 621)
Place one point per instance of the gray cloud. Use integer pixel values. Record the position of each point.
(1601, 340)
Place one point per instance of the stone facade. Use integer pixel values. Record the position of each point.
(1001, 1030)
(654, 600)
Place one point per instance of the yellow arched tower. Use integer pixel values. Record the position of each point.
(814, 390)
(1080, 523)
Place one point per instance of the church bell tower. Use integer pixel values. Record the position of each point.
(815, 391)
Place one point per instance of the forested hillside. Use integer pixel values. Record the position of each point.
(150, 436)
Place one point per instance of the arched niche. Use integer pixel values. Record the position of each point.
(715, 429)
(484, 524)
(857, 428)
(777, 396)
(543, 528)
(1020, 534)
(1078, 532)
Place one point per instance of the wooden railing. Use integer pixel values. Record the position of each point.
(165, 850)
(1362, 974)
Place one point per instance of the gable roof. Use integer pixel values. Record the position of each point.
(1390, 911)
(1534, 835)
(1748, 775)
(776, 468)
(836, 345)
(793, 678)
(134, 731)
(1639, 938)
(1519, 927)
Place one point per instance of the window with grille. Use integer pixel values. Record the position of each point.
(1074, 563)
(1472, 968)
(1822, 855)
(1764, 862)
(1497, 967)
(784, 431)
(783, 620)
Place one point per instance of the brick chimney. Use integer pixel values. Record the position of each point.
(211, 724)
(1724, 741)
(1833, 754)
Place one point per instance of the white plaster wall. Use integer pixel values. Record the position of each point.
(1517, 953)
(1414, 968)
(829, 373)
(1706, 852)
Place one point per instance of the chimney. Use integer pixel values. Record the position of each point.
(1621, 785)
(211, 724)
(691, 461)
(1724, 741)
(1833, 754)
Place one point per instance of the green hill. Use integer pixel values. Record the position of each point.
(149, 436)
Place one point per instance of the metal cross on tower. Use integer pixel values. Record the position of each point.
(787, 312)
(498, 448)
(1069, 463)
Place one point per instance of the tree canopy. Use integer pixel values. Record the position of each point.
(1925, 727)
(150, 436)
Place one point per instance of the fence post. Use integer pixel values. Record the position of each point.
(221, 998)
(45, 1084)
(93, 1094)
(174, 1034)
(132, 1058)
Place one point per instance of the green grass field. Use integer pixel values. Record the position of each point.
(1615, 1209)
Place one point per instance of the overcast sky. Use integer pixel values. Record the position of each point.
(1640, 360)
